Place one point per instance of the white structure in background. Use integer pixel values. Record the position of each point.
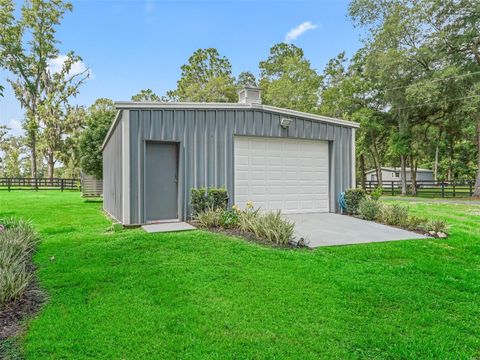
(395, 174)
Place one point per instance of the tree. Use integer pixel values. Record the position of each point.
(99, 119)
(396, 58)
(12, 162)
(246, 79)
(146, 95)
(69, 155)
(54, 109)
(348, 93)
(207, 77)
(457, 38)
(288, 80)
(26, 46)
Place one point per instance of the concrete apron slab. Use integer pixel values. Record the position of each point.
(329, 229)
(167, 227)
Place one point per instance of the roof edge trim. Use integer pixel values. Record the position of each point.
(124, 105)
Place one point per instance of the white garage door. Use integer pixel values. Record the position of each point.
(286, 174)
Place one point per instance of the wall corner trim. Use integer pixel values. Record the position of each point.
(125, 122)
(354, 169)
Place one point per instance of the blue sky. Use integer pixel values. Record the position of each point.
(132, 45)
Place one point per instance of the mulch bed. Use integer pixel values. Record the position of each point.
(245, 235)
(13, 313)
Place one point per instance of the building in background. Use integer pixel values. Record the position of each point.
(395, 174)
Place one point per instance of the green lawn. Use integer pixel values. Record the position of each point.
(197, 295)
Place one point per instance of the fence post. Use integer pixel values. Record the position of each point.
(61, 184)
(443, 189)
(470, 183)
(36, 184)
(453, 185)
(8, 184)
(393, 189)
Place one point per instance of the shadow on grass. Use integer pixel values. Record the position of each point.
(93, 200)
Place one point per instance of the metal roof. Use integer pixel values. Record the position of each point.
(121, 105)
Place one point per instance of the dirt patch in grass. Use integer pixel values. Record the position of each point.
(13, 313)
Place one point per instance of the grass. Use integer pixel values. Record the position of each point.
(198, 295)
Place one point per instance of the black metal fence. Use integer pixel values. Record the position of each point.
(36, 184)
(426, 188)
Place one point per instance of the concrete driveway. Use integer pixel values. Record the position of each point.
(327, 229)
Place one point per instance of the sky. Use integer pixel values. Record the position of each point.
(134, 45)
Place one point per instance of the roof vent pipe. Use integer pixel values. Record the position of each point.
(250, 95)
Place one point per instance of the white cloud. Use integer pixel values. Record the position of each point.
(150, 17)
(15, 127)
(55, 66)
(299, 30)
(149, 6)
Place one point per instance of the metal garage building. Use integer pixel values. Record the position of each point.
(155, 153)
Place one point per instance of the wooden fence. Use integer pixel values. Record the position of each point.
(426, 188)
(39, 184)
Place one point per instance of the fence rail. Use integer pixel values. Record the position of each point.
(10, 184)
(425, 188)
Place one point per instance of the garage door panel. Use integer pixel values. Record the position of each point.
(286, 174)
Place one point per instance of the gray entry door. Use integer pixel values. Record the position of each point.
(161, 181)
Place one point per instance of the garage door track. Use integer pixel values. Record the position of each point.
(327, 229)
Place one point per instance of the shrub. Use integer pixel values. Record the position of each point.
(210, 218)
(229, 219)
(18, 241)
(273, 227)
(438, 226)
(217, 198)
(416, 223)
(353, 198)
(247, 217)
(198, 200)
(368, 208)
(395, 214)
(377, 193)
(203, 199)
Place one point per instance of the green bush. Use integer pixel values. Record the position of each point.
(377, 193)
(198, 200)
(217, 198)
(229, 219)
(353, 198)
(210, 218)
(416, 223)
(246, 218)
(272, 227)
(395, 215)
(437, 226)
(18, 240)
(368, 208)
(203, 199)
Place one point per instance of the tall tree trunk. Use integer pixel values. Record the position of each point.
(413, 174)
(376, 159)
(362, 171)
(435, 165)
(33, 155)
(403, 168)
(51, 164)
(450, 162)
(477, 183)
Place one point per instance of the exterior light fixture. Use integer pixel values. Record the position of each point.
(285, 122)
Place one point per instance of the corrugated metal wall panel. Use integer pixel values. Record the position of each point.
(112, 174)
(206, 147)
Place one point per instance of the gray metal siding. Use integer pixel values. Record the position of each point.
(206, 140)
(112, 174)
